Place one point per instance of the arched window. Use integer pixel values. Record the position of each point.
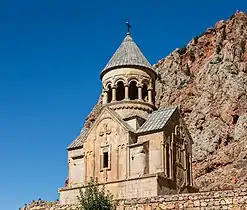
(109, 94)
(145, 93)
(120, 91)
(153, 96)
(167, 161)
(188, 169)
(133, 90)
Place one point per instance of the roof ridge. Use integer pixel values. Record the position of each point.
(166, 108)
(157, 120)
(78, 141)
(128, 54)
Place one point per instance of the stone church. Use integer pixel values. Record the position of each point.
(132, 148)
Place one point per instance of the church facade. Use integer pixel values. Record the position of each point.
(132, 148)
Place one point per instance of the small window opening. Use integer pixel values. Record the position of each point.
(145, 93)
(120, 91)
(133, 90)
(109, 94)
(188, 169)
(153, 96)
(235, 118)
(167, 162)
(105, 160)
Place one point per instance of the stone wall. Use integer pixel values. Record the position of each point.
(137, 187)
(228, 199)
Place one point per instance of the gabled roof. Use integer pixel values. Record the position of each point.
(78, 142)
(128, 54)
(125, 124)
(157, 120)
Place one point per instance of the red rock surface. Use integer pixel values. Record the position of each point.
(208, 80)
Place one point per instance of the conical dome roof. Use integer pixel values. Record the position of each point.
(128, 54)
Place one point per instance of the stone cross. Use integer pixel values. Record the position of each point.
(132, 157)
(128, 26)
(105, 132)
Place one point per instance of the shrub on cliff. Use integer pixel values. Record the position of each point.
(182, 50)
(95, 197)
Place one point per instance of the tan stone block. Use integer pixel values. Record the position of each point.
(241, 200)
(196, 203)
(224, 207)
(170, 205)
(147, 207)
(180, 198)
(162, 206)
(204, 204)
(235, 201)
(222, 202)
(154, 205)
(190, 204)
(139, 207)
(228, 201)
(216, 195)
(181, 205)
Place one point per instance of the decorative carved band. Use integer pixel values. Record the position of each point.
(147, 107)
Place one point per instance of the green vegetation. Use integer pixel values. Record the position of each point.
(95, 197)
(232, 16)
(219, 47)
(224, 34)
(187, 70)
(196, 39)
(182, 50)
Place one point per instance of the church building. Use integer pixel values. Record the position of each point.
(132, 148)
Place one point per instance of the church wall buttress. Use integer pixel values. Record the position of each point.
(155, 151)
(90, 163)
(121, 172)
(137, 161)
(76, 167)
(179, 145)
(89, 159)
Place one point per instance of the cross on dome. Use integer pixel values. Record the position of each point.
(128, 27)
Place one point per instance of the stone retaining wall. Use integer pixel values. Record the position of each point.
(229, 199)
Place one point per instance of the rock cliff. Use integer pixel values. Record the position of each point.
(208, 80)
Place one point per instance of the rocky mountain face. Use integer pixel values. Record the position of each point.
(208, 80)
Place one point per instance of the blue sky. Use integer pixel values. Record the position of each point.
(51, 54)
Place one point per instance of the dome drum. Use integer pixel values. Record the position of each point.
(129, 81)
